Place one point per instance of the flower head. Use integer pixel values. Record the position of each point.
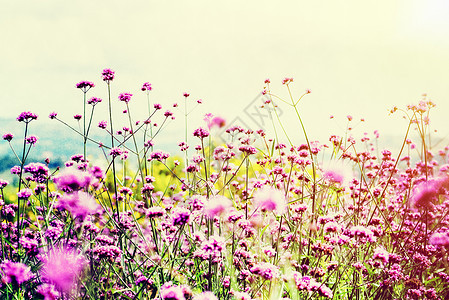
(108, 75)
(15, 272)
(32, 139)
(79, 204)
(61, 267)
(94, 101)
(217, 206)
(26, 117)
(146, 87)
(270, 199)
(72, 180)
(125, 97)
(53, 115)
(85, 85)
(8, 137)
(201, 133)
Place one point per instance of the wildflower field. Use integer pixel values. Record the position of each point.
(247, 216)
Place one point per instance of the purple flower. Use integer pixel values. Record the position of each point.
(146, 87)
(171, 292)
(24, 194)
(114, 152)
(61, 267)
(8, 137)
(94, 101)
(85, 85)
(77, 117)
(201, 133)
(266, 270)
(32, 140)
(38, 171)
(15, 272)
(125, 97)
(217, 206)
(270, 199)
(180, 216)
(71, 180)
(48, 291)
(53, 115)
(157, 106)
(439, 239)
(26, 117)
(108, 75)
(3, 183)
(426, 193)
(103, 124)
(79, 204)
(15, 170)
(108, 251)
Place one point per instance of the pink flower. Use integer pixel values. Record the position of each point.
(71, 180)
(108, 75)
(79, 204)
(426, 193)
(15, 272)
(125, 97)
(270, 199)
(61, 267)
(171, 292)
(217, 206)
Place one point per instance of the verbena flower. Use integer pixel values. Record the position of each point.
(146, 87)
(125, 97)
(270, 199)
(79, 204)
(180, 216)
(108, 75)
(32, 139)
(38, 171)
(15, 272)
(71, 180)
(26, 117)
(217, 206)
(48, 291)
(62, 267)
(103, 124)
(266, 270)
(201, 133)
(85, 85)
(8, 137)
(24, 194)
(94, 101)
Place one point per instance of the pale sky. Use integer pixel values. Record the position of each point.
(357, 57)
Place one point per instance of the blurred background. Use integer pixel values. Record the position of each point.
(358, 58)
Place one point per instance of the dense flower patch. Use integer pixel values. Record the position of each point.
(252, 218)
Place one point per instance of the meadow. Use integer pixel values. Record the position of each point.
(253, 217)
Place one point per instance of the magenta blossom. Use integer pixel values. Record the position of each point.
(107, 75)
(146, 87)
(217, 206)
(85, 85)
(71, 180)
(79, 204)
(8, 137)
(62, 267)
(125, 97)
(15, 272)
(270, 199)
(26, 117)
